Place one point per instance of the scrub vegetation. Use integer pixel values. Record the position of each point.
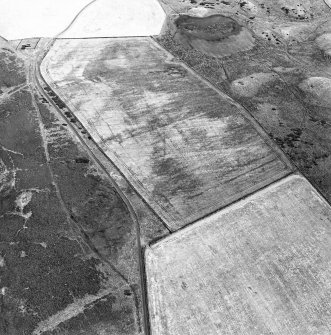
(283, 80)
(68, 244)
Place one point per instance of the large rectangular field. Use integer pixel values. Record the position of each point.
(187, 149)
(259, 267)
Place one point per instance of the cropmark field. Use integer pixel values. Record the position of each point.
(173, 136)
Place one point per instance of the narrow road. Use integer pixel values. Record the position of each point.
(39, 84)
(75, 18)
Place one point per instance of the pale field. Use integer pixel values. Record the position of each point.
(118, 18)
(106, 18)
(37, 18)
(174, 137)
(261, 266)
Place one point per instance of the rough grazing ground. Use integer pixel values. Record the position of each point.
(175, 138)
(283, 81)
(68, 245)
(261, 266)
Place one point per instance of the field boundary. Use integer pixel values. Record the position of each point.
(236, 204)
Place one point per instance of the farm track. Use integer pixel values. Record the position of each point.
(75, 18)
(38, 81)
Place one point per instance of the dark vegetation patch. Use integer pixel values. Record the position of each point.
(16, 128)
(48, 259)
(53, 275)
(298, 12)
(295, 111)
(106, 222)
(290, 139)
(175, 70)
(50, 275)
(92, 201)
(82, 160)
(179, 175)
(12, 70)
(208, 66)
(210, 28)
(214, 35)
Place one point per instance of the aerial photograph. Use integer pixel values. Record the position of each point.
(165, 167)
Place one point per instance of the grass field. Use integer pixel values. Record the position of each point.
(173, 136)
(37, 18)
(45, 18)
(118, 18)
(261, 266)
